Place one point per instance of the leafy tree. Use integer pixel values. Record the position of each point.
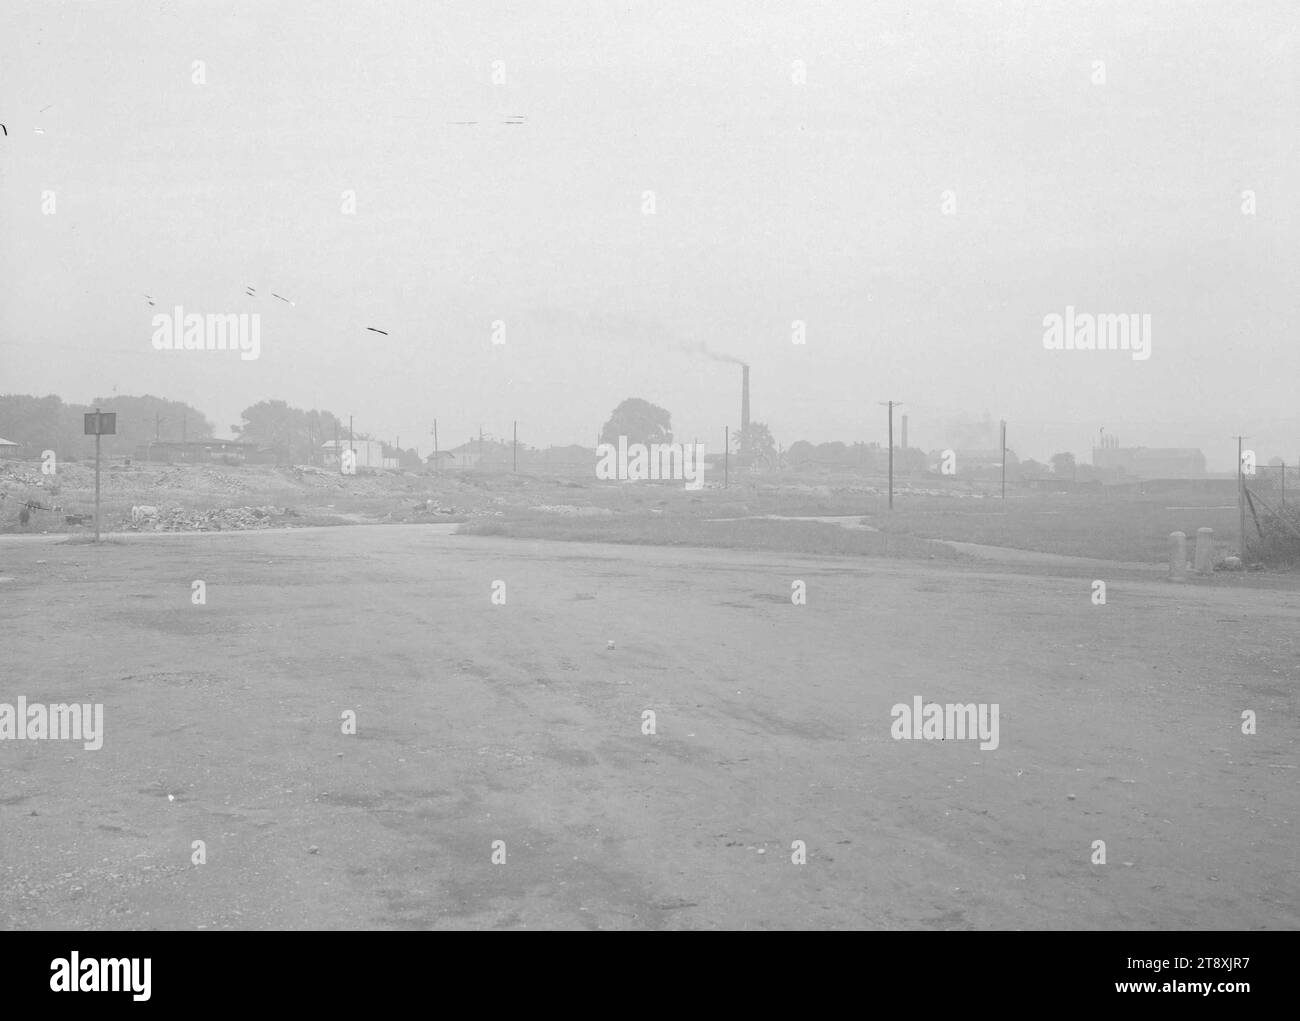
(640, 421)
(800, 452)
(141, 419)
(834, 452)
(294, 434)
(47, 423)
(756, 444)
(1063, 464)
(34, 422)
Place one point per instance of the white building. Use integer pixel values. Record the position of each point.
(369, 453)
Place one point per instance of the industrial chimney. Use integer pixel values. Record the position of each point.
(744, 399)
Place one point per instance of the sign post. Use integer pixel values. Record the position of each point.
(97, 424)
(1004, 459)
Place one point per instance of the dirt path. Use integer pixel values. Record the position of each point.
(481, 722)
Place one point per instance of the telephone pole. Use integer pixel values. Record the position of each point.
(892, 405)
(1241, 503)
(1004, 459)
(99, 424)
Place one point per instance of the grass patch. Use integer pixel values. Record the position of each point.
(757, 534)
(1104, 528)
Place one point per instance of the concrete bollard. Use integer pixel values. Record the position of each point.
(1205, 551)
(1177, 556)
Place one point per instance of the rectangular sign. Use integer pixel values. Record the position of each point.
(101, 423)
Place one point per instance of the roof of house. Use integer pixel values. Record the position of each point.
(7, 443)
(329, 444)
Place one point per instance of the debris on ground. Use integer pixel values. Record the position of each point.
(178, 519)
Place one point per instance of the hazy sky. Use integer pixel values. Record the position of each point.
(774, 201)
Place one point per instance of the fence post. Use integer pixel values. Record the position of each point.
(1204, 550)
(1177, 556)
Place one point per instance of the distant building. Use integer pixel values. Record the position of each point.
(1148, 462)
(476, 454)
(369, 453)
(8, 448)
(461, 457)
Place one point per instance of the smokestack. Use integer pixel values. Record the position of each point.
(904, 432)
(744, 398)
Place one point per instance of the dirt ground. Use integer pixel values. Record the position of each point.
(479, 723)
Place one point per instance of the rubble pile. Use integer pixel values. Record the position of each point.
(178, 519)
(569, 510)
(197, 478)
(21, 474)
(434, 507)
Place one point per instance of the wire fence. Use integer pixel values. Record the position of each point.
(1272, 529)
(1275, 483)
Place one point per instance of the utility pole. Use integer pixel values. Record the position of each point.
(98, 425)
(1004, 459)
(435, 443)
(892, 405)
(1241, 503)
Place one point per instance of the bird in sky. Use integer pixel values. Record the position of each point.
(373, 330)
